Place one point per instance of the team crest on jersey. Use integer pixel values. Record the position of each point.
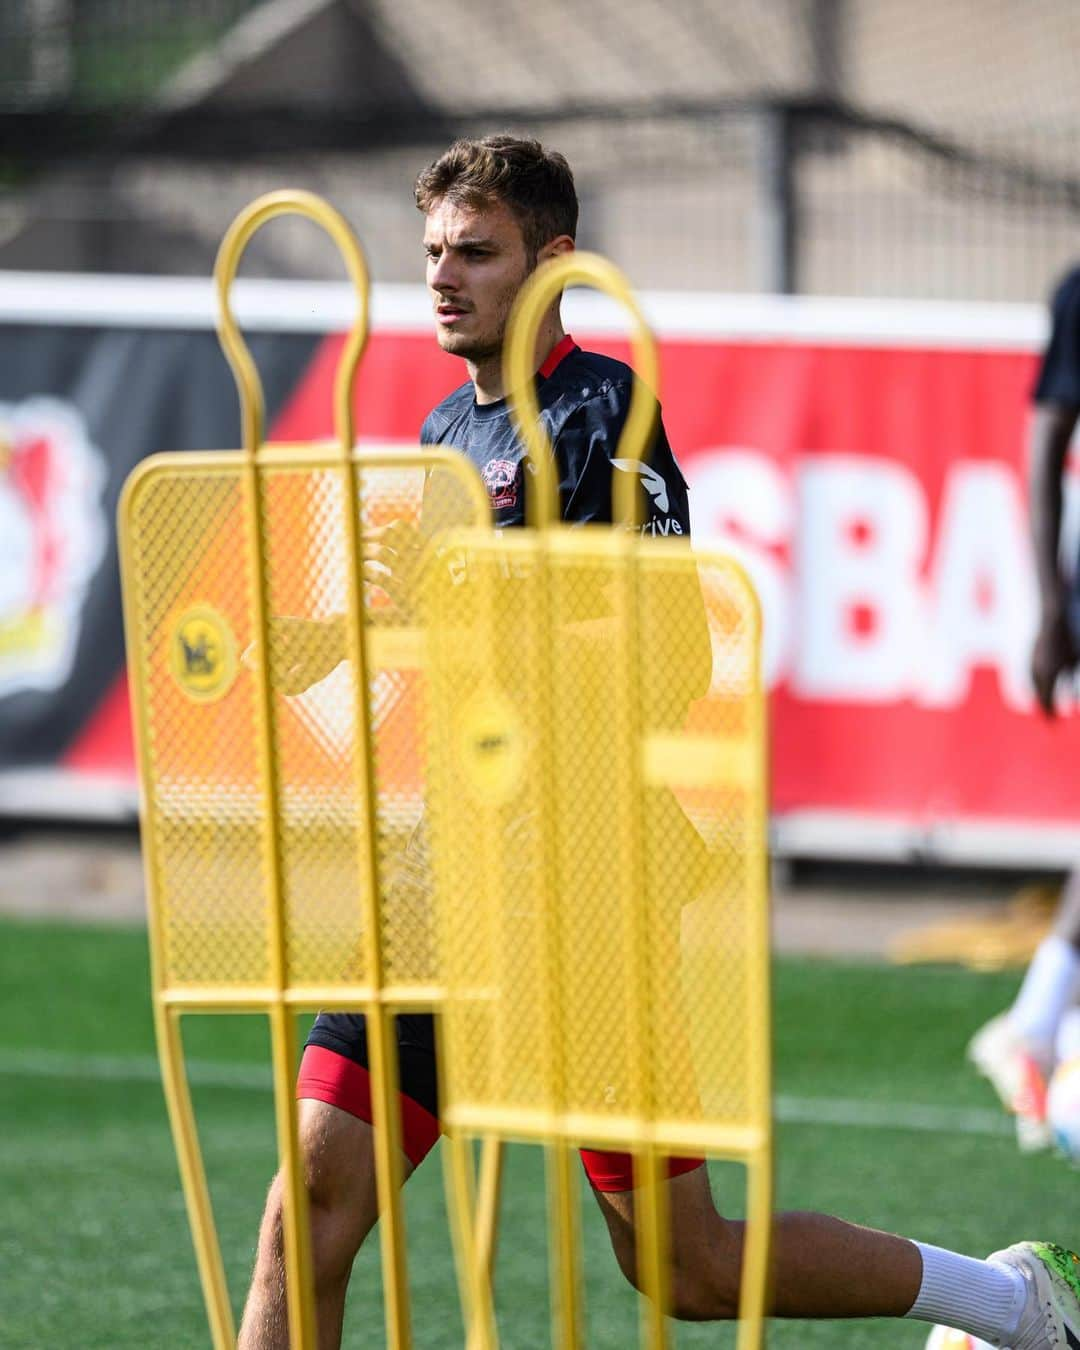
(52, 538)
(500, 479)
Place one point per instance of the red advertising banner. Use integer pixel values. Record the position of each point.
(876, 495)
(863, 460)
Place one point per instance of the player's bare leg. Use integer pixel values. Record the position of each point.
(1027, 1296)
(823, 1266)
(339, 1165)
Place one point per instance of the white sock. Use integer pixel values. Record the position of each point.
(980, 1297)
(1049, 987)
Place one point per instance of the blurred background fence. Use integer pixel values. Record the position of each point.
(807, 146)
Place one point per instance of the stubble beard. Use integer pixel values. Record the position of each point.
(473, 349)
(483, 348)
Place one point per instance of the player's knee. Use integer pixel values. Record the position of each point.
(703, 1295)
(270, 1257)
(702, 1280)
(706, 1271)
(335, 1238)
(340, 1211)
(695, 1294)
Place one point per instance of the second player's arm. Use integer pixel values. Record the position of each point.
(1050, 431)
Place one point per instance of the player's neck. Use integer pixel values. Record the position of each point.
(487, 375)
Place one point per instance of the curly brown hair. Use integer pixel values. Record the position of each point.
(536, 184)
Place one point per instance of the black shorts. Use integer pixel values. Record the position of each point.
(346, 1034)
(335, 1070)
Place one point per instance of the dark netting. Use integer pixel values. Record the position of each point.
(800, 145)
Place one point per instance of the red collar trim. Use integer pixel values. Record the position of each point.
(558, 353)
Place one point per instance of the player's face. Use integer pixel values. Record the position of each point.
(476, 264)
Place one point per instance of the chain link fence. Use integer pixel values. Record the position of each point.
(800, 146)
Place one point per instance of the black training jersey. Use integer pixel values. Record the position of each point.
(1059, 374)
(584, 402)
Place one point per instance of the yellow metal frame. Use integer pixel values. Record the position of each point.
(751, 1145)
(280, 1000)
(473, 1200)
(533, 301)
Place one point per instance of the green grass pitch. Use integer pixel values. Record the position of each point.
(880, 1122)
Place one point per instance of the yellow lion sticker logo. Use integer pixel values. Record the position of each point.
(202, 654)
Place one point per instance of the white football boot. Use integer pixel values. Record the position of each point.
(1051, 1316)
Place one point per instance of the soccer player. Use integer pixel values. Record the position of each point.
(494, 209)
(1017, 1049)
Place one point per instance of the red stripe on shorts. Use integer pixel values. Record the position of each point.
(326, 1076)
(615, 1171)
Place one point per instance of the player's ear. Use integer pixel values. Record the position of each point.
(562, 243)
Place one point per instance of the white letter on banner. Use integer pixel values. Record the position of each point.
(740, 502)
(861, 537)
(983, 587)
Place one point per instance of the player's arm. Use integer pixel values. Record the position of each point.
(587, 453)
(585, 448)
(304, 651)
(589, 462)
(674, 615)
(1056, 400)
(1050, 431)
